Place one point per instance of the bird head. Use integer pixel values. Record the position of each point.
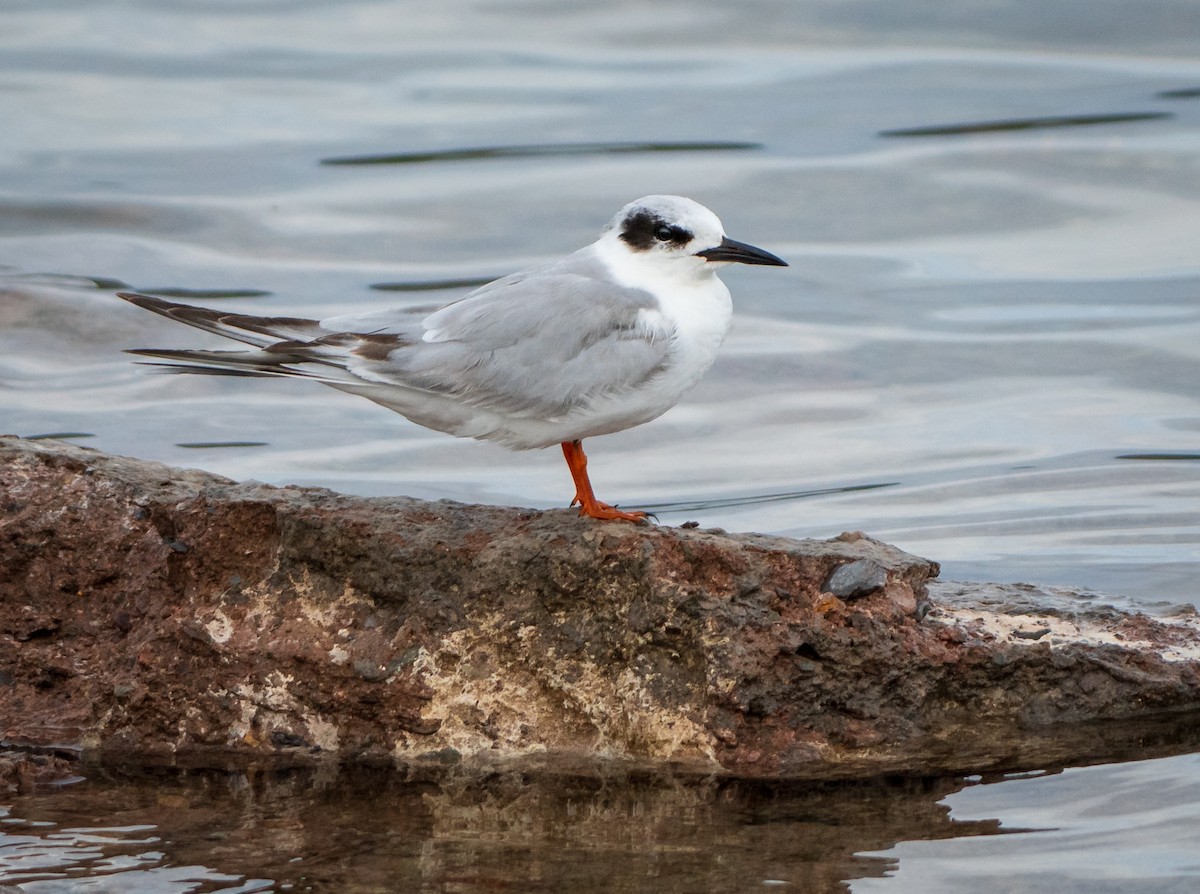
(677, 235)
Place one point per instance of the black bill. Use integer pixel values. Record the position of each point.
(740, 253)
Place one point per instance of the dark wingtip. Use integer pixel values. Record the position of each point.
(149, 302)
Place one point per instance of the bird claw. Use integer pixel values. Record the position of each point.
(606, 512)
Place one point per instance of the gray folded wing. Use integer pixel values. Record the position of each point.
(534, 345)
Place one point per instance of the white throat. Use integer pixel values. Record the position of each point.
(652, 271)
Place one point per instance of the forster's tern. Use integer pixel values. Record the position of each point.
(607, 338)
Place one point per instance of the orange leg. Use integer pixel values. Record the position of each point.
(589, 506)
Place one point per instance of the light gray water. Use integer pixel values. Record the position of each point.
(986, 350)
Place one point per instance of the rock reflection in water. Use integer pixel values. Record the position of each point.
(321, 831)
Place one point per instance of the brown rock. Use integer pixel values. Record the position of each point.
(28, 770)
(168, 614)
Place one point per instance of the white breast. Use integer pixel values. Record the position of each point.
(695, 315)
(694, 310)
(698, 319)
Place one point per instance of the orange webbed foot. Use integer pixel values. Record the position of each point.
(589, 506)
(611, 513)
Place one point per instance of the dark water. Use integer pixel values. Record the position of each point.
(986, 350)
(369, 832)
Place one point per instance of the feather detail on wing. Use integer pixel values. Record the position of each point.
(532, 345)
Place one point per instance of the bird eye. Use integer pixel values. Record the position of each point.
(665, 234)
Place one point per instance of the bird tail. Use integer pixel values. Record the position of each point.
(280, 343)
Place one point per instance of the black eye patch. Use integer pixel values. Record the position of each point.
(643, 229)
(673, 235)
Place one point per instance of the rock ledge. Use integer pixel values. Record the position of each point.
(163, 614)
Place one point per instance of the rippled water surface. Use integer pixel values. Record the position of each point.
(365, 832)
(1057, 834)
(986, 350)
(992, 220)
